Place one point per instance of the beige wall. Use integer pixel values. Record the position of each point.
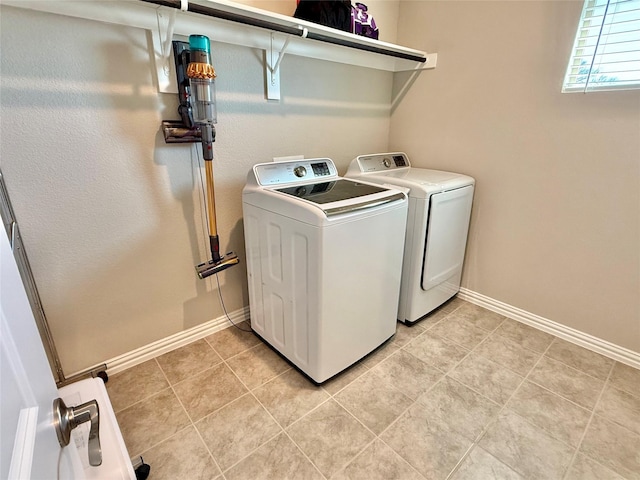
(556, 221)
(110, 214)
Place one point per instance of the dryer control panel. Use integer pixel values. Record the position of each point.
(295, 171)
(381, 162)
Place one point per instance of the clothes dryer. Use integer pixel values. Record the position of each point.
(324, 260)
(436, 231)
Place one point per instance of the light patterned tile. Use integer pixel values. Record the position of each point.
(378, 462)
(330, 437)
(620, 407)
(563, 419)
(279, 459)
(452, 304)
(526, 449)
(182, 455)
(337, 383)
(135, 384)
(208, 391)
(478, 316)
(379, 354)
(408, 374)
(186, 361)
(373, 401)
(613, 446)
(290, 396)
(580, 358)
(237, 429)
(436, 351)
(426, 442)
(232, 341)
(462, 409)
(508, 354)
(434, 317)
(404, 334)
(460, 331)
(524, 335)
(480, 465)
(258, 365)
(151, 421)
(572, 384)
(487, 377)
(626, 378)
(584, 468)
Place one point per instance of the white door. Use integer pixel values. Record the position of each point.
(29, 444)
(449, 214)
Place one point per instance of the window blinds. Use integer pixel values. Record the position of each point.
(606, 52)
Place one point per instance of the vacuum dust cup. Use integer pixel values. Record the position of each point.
(202, 79)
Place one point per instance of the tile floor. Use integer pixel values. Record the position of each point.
(464, 394)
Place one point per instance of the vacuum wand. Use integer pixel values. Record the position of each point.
(217, 262)
(201, 78)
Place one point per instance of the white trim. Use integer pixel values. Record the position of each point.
(621, 354)
(180, 339)
(25, 443)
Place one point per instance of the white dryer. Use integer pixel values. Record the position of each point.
(324, 259)
(436, 230)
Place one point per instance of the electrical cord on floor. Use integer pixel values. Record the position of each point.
(225, 308)
(204, 206)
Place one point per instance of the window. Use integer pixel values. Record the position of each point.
(606, 52)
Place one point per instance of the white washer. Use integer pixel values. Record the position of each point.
(324, 259)
(437, 227)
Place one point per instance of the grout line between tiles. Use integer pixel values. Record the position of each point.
(475, 442)
(593, 412)
(189, 425)
(492, 422)
(162, 441)
(191, 422)
(376, 436)
(282, 429)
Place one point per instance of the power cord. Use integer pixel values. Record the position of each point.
(225, 308)
(204, 205)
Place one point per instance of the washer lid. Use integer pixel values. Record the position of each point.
(334, 191)
(342, 196)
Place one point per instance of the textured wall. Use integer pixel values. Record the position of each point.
(110, 214)
(556, 220)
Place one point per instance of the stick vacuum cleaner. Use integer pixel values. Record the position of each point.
(196, 87)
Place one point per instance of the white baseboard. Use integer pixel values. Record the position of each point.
(620, 354)
(155, 349)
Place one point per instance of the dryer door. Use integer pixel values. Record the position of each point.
(449, 214)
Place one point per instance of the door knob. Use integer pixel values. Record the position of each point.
(66, 419)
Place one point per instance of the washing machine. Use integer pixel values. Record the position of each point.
(436, 231)
(324, 259)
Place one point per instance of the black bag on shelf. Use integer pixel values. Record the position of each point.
(331, 13)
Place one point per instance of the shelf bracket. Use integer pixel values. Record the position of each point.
(162, 38)
(273, 58)
(162, 52)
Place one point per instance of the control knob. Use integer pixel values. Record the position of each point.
(300, 171)
(386, 162)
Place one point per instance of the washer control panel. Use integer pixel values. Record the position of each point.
(383, 161)
(293, 171)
